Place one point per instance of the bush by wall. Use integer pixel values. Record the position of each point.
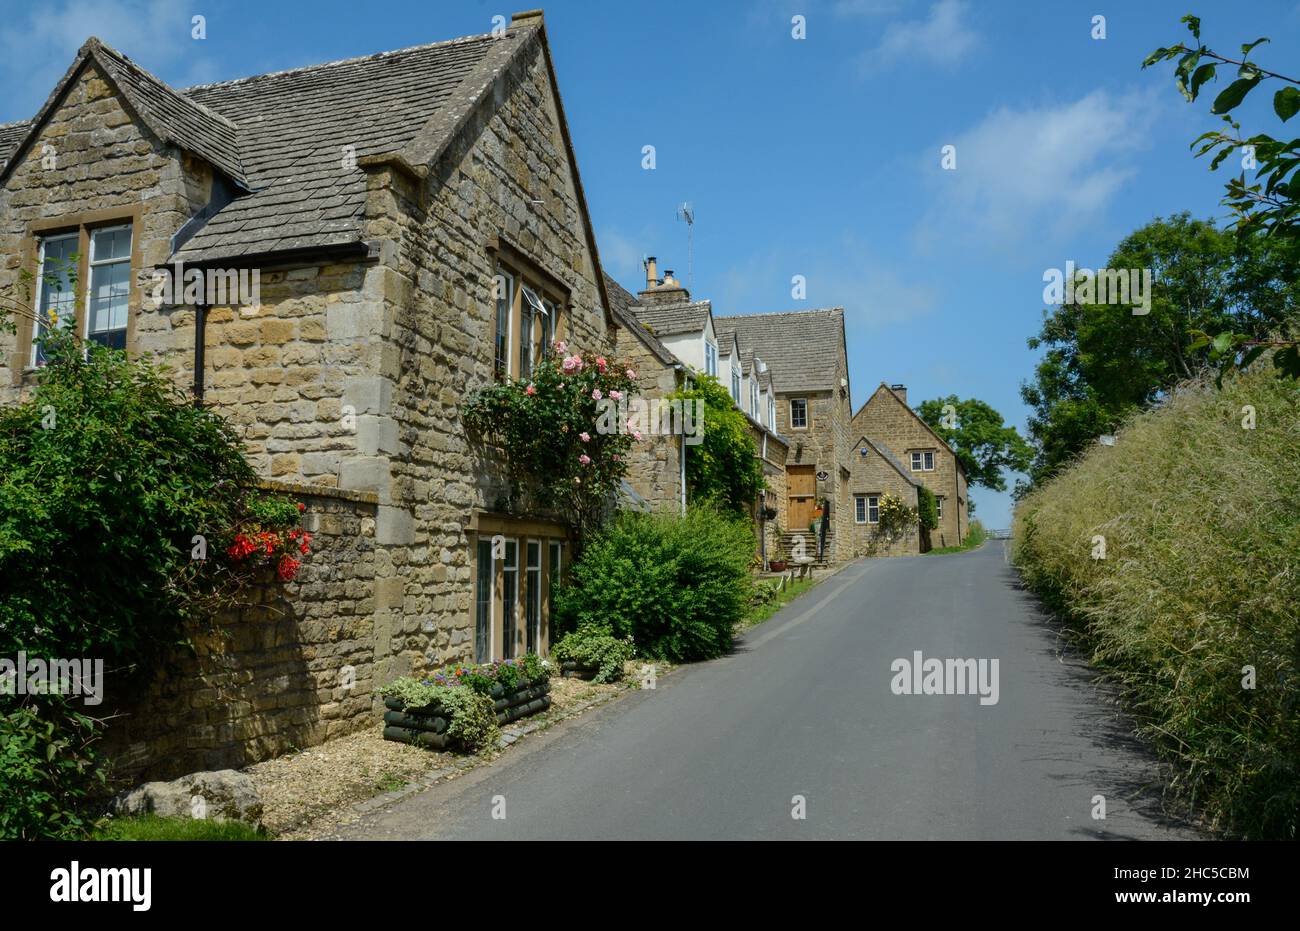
(1193, 609)
(676, 585)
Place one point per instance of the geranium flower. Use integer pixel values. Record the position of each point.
(530, 390)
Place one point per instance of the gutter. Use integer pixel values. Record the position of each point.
(200, 348)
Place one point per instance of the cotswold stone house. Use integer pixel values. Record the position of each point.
(893, 433)
(803, 358)
(673, 338)
(418, 228)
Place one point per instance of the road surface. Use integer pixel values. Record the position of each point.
(805, 709)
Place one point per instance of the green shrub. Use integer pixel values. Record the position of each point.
(927, 508)
(676, 586)
(48, 769)
(1201, 524)
(471, 722)
(595, 647)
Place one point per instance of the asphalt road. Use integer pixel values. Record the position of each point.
(804, 707)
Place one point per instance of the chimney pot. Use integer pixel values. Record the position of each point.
(651, 272)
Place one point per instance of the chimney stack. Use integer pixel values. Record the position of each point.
(651, 273)
(900, 390)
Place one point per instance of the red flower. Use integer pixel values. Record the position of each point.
(301, 507)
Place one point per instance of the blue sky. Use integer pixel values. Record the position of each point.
(817, 157)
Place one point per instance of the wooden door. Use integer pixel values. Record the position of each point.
(801, 480)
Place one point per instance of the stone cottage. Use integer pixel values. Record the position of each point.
(895, 432)
(418, 228)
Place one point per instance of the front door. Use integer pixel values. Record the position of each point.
(802, 483)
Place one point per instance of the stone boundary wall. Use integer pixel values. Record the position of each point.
(292, 666)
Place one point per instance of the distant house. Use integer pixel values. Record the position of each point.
(913, 448)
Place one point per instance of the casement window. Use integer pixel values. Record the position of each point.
(557, 563)
(938, 506)
(753, 396)
(771, 413)
(710, 359)
(56, 299)
(735, 383)
(483, 602)
(527, 323)
(509, 598)
(922, 461)
(859, 509)
(533, 596)
(505, 285)
(798, 413)
(873, 509)
(108, 290)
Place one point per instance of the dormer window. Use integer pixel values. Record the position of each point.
(753, 394)
(771, 412)
(710, 359)
(735, 383)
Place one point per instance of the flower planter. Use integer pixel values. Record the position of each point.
(427, 727)
(777, 565)
(572, 670)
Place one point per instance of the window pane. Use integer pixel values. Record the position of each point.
(533, 596)
(509, 599)
(58, 300)
(109, 291)
(483, 604)
(505, 301)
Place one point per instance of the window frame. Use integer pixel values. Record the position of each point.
(22, 364)
(509, 613)
(859, 509)
(873, 507)
(807, 414)
(532, 596)
(555, 296)
(488, 571)
(735, 383)
(938, 507)
(33, 359)
(92, 264)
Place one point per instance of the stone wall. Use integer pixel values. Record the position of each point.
(654, 467)
(291, 665)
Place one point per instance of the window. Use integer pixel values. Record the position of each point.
(938, 506)
(509, 598)
(533, 596)
(710, 359)
(753, 395)
(532, 331)
(56, 301)
(505, 285)
(929, 462)
(735, 383)
(873, 509)
(798, 413)
(916, 462)
(860, 509)
(771, 413)
(108, 291)
(557, 562)
(483, 603)
(922, 461)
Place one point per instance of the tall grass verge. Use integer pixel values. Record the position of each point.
(1195, 609)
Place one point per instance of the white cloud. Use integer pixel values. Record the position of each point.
(38, 44)
(1037, 171)
(943, 39)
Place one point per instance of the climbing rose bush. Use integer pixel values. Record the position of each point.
(565, 440)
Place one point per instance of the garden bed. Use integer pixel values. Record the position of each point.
(427, 726)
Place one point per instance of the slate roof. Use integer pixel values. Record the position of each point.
(282, 136)
(885, 454)
(621, 303)
(801, 347)
(671, 319)
(10, 135)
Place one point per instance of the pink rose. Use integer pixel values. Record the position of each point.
(631, 374)
(561, 346)
(585, 459)
(601, 363)
(571, 364)
(530, 390)
(616, 395)
(636, 434)
(585, 437)
(596, 395)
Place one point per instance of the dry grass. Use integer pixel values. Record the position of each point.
(1201, 578)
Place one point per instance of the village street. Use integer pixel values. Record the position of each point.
(804, 708)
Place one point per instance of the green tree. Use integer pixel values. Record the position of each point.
(1266, 207)
(723, 469)
(983, 442)
(1102, 361)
